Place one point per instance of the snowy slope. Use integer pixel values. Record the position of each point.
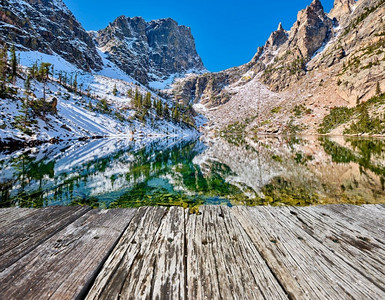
(50, 27)
(75, 118)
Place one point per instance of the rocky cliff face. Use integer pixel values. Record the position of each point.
(312, 30)
(49, 27)
(325, 60)
(342, 10)
(281, 61)
(150, 51)
(210, 88)
(277, 38)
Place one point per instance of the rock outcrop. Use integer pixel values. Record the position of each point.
(150, 51)
(280, 62)
(341, 10)
(277, 38)
(47, 26)
(325, 60)
(312, 30)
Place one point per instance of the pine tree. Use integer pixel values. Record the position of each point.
(140, 101)
(147, 100)
(159, 108)
(65, 78)
(129, 93)
(378, 89)
(103, 106)
(75, 83)
(43, 76)
(13, 64)
(44, 71)
(175, 114)
(136, 98)
(33, 71)
(114, 90)
(3, 71)
(27, 84)
(166, 111)
(23, 120)
(88, 92)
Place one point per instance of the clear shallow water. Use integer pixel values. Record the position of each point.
(113, 173)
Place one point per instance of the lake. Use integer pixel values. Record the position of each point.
(110, 173)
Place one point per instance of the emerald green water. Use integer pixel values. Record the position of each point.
(113, 173)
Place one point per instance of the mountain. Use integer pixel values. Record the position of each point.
(71, 104)
(150, 51)
(296, 79)
(324, 75)
(59, 86)
(312, 30)
(47, 26)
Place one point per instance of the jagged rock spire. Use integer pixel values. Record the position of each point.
(316, 5)
(311, 30)
(277, 38)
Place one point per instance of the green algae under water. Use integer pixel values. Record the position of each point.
(113, 173)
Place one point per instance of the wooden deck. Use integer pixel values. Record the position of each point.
(322, 252)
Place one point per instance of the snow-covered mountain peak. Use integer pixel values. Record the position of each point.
(47, 26)
(150, 51)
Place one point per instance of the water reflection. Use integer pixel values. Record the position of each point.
(263, 171)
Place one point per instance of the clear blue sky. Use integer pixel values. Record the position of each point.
(227, 33)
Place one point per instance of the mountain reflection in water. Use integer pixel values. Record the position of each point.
(112, 173)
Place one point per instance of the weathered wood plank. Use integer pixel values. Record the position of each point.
(148, 261)
(355, 214)
(352, 244)
(322, 252)
(24, 234)
(12, 214)
(66, 264)
(365, 217)
(222, 261)
(304, 266)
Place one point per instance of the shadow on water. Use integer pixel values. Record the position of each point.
(113, 173)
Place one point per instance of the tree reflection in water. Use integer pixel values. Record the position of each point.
(265, 171)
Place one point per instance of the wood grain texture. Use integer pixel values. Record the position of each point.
(169, 254)
(12, 214)
(223, 262)
(366, 217)
(148, 260)
(306, 266)
(322, 252)
(353, 244)
(64, 265)
(25, 233)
